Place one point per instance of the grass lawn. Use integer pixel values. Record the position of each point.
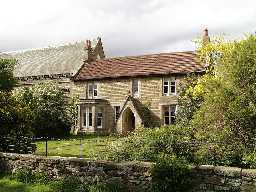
(88, 146)
(11, 185)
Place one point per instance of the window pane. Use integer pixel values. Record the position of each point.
(95, 90)
(166, 88)
(173, 87)
(173, 113)
(173, 90)
(173, 108)
(84, 116)
(166, 121)
(95, 93)
(99, 120)
(90, 90)
(90, 119)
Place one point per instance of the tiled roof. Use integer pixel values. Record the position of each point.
(66, 59)
(154, 64)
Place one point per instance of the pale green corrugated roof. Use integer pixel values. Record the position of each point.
(66, 59)
(5, 56)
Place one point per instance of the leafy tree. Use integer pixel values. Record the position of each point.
(229, 99)
(15, 117)
(7, 80)
(224, 118)
(52, 115)
(219, 106)
(190, 99)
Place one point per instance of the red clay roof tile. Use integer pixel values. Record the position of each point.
(144, 65)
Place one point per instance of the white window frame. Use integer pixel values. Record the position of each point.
(86, 116)
(95, 87)
(169, 80)
(136, 95)
(170, 116)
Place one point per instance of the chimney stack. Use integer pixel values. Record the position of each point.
(88, 45)
(206, 38)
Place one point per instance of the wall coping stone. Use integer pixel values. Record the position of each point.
(219, 170)
(249, 173)
(15, 156)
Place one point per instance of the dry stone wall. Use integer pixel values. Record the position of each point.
(223, 179)
(135, 175)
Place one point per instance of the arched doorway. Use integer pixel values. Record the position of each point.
(128, 121)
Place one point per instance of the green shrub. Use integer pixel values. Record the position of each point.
(146, 144)
(107, 187)
(171, 174)
(74, 184)
(249, 160)
(69, 184)
(219, 154)
(29, 176)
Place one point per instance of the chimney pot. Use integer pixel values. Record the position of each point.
(206, 38)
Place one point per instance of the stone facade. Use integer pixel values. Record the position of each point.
(137, 176)
(147, 108)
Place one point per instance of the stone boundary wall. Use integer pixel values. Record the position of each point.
(135, 175)
(229, 179)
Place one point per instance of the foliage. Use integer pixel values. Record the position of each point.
(7, 80)
(72, 183)
(66, 184)
(171, 174)
(190, 99)
(28, 176)
(249, 159)
(52, 116)
(219, 106)
(15, 116)
(225, 153)
(148, 144)
(229, 99)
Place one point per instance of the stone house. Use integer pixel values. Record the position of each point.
(120, 94)
(115, 94)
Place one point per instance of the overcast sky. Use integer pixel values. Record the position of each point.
(127, 27)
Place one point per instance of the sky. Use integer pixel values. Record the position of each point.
(127, 27)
